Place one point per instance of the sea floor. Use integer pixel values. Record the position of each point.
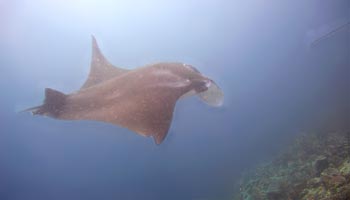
(315, 167)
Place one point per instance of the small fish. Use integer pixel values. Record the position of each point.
(142, 99)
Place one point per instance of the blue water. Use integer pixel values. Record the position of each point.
(276, 84)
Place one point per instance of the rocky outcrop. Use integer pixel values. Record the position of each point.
(315, 167)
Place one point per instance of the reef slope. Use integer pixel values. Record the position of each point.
(314, 167)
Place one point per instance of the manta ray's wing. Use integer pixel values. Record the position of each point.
(101, 69)
(144, 106)
(150, 115)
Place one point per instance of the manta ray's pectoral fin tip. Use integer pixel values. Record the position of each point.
(159, 138)
(95, 49)
(94, 43)
(100, 68)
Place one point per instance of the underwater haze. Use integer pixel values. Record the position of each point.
(277, 82)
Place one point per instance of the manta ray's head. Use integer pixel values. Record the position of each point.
(206, 89)
(201, 83)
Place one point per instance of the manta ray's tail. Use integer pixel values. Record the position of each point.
(52, 106)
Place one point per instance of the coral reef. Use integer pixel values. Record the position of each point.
(314, 167)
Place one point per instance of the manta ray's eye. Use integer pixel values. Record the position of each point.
(191, 68)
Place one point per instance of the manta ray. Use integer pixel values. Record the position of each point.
(141, 100)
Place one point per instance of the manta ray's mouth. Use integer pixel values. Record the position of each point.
(201, 85)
